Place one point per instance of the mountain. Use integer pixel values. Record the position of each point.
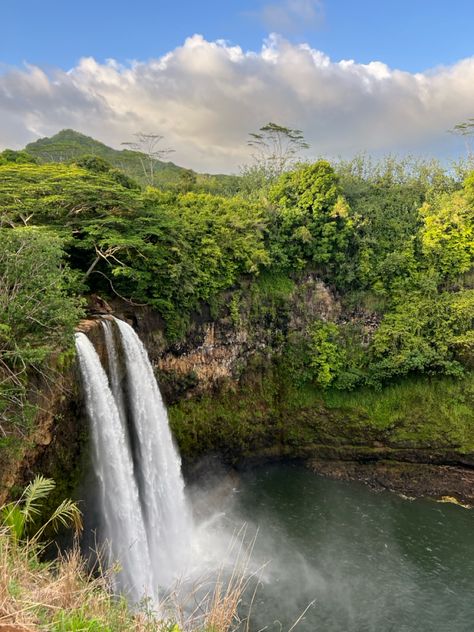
(68, 144)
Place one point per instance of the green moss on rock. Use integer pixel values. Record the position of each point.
(266, 412)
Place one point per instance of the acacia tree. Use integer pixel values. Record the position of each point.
(466, 130)
(148, 146)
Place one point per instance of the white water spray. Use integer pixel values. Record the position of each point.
(142, 502)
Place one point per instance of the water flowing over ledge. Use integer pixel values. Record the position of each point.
(144, 517)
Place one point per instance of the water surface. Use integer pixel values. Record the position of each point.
(370, 562)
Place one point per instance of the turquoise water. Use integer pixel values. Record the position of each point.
(369, 562)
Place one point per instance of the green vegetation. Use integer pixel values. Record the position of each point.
(270, 414)
(183, 249)
(394, 239)
(19, 517)
(352, 286)
(311, 220)
(39, 309)
(62, 595)
(417, 412)
(68, 146)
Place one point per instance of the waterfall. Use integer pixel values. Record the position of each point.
(120, 508)
(141, 490)
(160, 481)
(116, 376)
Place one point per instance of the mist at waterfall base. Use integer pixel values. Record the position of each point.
(367, 562)
(135, 500)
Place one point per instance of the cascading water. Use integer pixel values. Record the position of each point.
(121, 513)
(161, 485)
(142, 503)
(116, 376)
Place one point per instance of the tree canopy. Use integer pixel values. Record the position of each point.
(394, 240)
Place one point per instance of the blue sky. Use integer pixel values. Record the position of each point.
(412, 35)
(386, 76)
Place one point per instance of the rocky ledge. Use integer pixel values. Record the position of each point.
(441, 482)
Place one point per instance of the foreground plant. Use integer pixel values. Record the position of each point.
(18, 516)
(63, 595)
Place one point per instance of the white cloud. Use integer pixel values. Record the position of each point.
(205, 97)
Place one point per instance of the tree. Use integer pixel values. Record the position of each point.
(424, 333)
(148, 145)
(22, 157)
(276, 148)
(447, 234)
(38, 305)
(38, 313)
(187, 181)
(385, 197)
(311, 219)
(466, 130)
(59, 194)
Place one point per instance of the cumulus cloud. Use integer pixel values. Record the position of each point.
(205, 97)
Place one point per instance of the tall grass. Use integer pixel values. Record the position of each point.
(212, 603)
(62, 595)
(59, 595)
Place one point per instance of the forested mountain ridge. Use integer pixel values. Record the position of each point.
(68, 145)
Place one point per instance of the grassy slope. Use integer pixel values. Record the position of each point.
(417, 411)
(267, 413)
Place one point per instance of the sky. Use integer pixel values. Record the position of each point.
(376, 76)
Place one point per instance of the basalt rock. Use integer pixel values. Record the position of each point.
(441, 482)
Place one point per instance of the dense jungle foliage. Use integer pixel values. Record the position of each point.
(393, 240)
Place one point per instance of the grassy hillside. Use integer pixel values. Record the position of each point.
(69, 145)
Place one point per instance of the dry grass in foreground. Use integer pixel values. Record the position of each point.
(63, 596)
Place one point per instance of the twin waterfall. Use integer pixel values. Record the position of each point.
(144, 517)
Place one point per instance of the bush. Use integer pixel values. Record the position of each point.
(38, 312)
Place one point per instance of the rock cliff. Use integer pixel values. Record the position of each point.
(229, 393)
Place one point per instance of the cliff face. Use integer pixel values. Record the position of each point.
(229, 392)
(217, 351)
(213, 357)
(52, 443)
